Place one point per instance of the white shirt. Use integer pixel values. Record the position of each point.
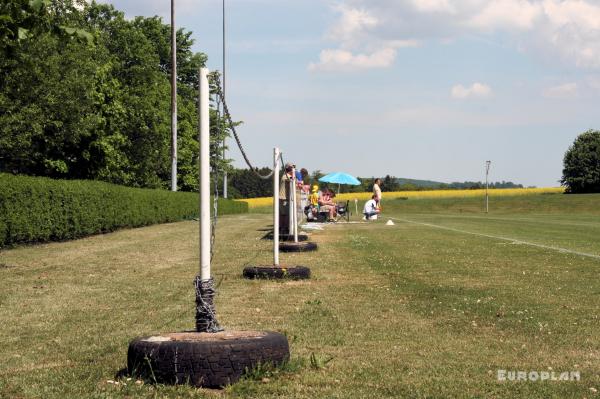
(370, 206)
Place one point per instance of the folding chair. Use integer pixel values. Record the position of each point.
(343, 210)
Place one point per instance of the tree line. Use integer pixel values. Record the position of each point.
(85, 94)
(243, 183)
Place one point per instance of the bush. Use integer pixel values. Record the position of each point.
(38, 209)
(581, 172)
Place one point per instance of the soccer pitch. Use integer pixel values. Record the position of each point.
(448, 302)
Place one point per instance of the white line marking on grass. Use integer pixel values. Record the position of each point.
(512, 240)
(533, 220)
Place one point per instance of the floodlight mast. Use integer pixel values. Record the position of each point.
(487, 196)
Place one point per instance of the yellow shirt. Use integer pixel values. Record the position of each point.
(314, 199)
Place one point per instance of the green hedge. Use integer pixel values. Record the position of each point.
(37, 209)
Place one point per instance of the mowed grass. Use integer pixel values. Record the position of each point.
(430, 307)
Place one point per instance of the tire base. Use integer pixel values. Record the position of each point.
(211, 360)
(304, 246)
(276, 272)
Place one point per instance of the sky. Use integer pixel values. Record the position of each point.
(425, 89)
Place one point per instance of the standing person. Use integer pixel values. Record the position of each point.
(302, 185)
(304, 178)
(285, 196)
(371, 209)
(377, 191)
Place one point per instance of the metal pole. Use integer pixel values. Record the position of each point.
(487, 197)
(173, 99)
(225, 173)
(204, 141)
(276, 206)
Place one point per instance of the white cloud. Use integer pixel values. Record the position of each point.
(567, 30)
(476, 90)
(567, 90)
(442, 6)
(352, 23)
(336, 59)
(358, 45)
(507, 14)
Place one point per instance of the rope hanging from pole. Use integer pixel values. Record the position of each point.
(215, 171)
(217, 87)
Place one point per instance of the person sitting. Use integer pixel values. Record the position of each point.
(312, 209)
(327, 205)
(371, 210)
(314, 196)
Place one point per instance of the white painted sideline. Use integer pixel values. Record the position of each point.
(520, 219)
(558, 249)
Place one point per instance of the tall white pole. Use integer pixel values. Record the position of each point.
(173, 99)
(204, 141)
(276, 206)
(290, 208)
(295, 199)
(487, 197)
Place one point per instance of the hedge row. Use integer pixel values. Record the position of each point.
(37, 209)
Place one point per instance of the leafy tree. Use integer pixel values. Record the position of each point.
(390, 183)
(22, 20)
(248, 185)
(99, 109)
(48, 101)
(581, 171)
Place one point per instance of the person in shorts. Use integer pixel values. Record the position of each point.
(377, 191)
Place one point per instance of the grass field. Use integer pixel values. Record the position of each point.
(431, 307)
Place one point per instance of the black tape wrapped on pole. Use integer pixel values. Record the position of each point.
(206, 318)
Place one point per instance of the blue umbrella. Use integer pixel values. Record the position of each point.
(340, 178)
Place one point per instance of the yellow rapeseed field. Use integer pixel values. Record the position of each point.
(268, 201)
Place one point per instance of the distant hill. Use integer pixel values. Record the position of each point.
(391, 183)
(419, 183)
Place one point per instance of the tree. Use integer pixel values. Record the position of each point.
(48, 104)
(248, 185)
(581, 171)
(97, 109)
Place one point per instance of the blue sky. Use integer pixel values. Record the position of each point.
(426, 89)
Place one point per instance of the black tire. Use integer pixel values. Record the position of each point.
(290, 237)
(276, 272)
(286, 237)
(201, 360)
(305, 246)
